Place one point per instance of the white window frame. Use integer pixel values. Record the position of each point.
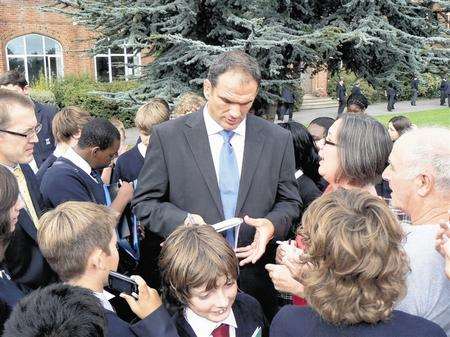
(25, 56)
(125, 56)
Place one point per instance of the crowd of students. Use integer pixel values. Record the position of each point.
(365, 254)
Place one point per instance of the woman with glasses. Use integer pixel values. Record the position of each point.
(355, 153)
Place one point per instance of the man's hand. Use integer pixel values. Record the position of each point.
(283, 280)
(264, 233)
(194, 219)
(125, 192)
(147, 301)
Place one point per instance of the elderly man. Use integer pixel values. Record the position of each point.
(221, 162)
(419, 176)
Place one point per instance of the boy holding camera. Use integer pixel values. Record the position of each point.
(78, 240)
(199, 272)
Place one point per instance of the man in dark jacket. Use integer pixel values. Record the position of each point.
(414, 90)
(14, 80)
(391, 94)
(443, 90)
(340, 92)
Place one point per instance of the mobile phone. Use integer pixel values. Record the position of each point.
(122, 283)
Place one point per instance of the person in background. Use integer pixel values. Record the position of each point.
(443, 90)
(187, 103)
(397, 126)
(419, 176)
(66, 128)
(356, 90)
(129, 164)
(340, 93)
(310, 182)
(318, 128)
(353, 272)
(79, 240)
(357, 103)
(59, 310)
(199, 276)
(414, 90)
(15, 80)
(391, 94)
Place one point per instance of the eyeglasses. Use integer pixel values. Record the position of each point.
(329, 143)
(29, 134)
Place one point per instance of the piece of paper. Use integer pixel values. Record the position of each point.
(257, 332)
(233, 223)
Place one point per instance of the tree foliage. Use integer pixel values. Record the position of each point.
(379, 40)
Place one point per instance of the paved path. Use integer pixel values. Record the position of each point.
(305, 116)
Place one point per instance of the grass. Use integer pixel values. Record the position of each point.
(425, 117)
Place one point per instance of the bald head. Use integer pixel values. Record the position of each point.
(427, 149)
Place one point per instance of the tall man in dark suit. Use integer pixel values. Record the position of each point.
(340, 92)
(18, 135)
(15, 80)
(221, 162)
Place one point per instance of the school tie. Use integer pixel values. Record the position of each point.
(25, 195)
(228, 181)
(223, 330)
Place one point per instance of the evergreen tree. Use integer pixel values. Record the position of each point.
(380, 40)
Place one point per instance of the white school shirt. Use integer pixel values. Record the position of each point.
(75, 158)
(204, 327)
(104, 298)
(216, 140)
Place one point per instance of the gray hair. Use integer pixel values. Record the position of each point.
(428, 147)
(9, 100)
(363, 148)
(234, 60)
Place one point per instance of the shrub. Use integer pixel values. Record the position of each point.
(84, 92)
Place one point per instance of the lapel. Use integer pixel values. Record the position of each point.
(254, 143)
(27, 224)
(32, 187)
(37, 111)
(195, 132)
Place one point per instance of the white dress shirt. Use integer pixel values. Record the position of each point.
(104, 298)
(204, 327)
(142, 149)
(75, 158)
(216, 140)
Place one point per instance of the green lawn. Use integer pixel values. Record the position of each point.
(425, 117)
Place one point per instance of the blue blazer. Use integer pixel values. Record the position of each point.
(157, 324)
(294, 321)
(64, 181)
(247, 312)
(46, 145)
(44, 167)
(25, 263)
(128, 166)
(9, 292)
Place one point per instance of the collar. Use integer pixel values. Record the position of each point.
(142, 149)
(11, 169)
(212, 127)
(75, 158)
(104, 298)
(203, 326)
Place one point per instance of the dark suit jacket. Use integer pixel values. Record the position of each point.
(179, 177)
(247, 312)
(24, 260)
(340, 90)
(157, 324)
(46, 145)
(128, 165)
(9, 292)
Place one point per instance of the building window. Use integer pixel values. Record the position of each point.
(35, 55)
(119, 63)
